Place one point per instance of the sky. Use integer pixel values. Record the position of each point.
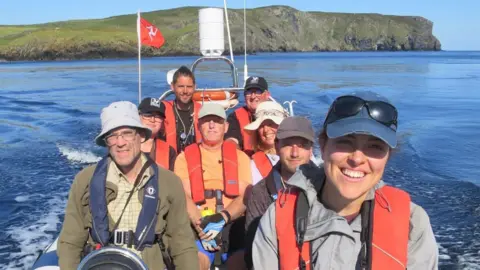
(456, 23)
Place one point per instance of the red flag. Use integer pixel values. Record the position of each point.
(150, 35)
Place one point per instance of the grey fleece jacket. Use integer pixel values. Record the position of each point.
(335, 243)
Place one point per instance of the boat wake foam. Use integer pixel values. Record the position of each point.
(78, 156)
(31, 239)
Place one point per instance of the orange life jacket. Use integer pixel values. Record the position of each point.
(390, 227)
(244, 118)
(195, 171)
(171, 124)
(162, 154)
(263, 163)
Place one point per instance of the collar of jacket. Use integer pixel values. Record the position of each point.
(322, 221)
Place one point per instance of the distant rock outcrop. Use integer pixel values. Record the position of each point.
(269, 29)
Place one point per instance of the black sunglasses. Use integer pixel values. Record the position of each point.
(347, 106)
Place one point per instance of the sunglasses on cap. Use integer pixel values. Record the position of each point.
(347, 106)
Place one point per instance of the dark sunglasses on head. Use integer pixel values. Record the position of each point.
(347, 106)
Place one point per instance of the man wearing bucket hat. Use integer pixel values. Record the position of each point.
(256, 92)
(354, 219)
(215, 175)
(126, 200)
(294, 144)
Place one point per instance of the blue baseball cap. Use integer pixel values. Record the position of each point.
(361, 123)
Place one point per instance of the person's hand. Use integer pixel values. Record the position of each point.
(212, 226)
(211, 245)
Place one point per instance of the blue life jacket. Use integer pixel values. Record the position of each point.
(147, 219)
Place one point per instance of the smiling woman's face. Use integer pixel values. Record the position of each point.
(354, 164)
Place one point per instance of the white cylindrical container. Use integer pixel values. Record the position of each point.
(211, 30)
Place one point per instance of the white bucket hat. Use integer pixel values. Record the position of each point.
(267, 110)
(120, 114)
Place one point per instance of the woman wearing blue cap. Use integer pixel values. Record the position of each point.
(343, 216)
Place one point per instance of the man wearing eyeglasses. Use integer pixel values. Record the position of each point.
(152, 115)
(126, 200)
(256, 91)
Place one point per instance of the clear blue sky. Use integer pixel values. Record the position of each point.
(456, 23)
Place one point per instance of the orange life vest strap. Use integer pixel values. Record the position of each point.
(171, 124)
(391, 228)
(289, 252)
(243, 117)
(195, 171)
(230, 169)
(162, 154)
(263, 163)
(196, 109)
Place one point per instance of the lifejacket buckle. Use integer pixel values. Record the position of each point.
(123, 237)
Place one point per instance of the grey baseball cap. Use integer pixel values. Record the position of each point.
(212, 109)
(296, 126)
(361, 123)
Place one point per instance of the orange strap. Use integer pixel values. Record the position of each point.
(391, 228)
(230, 169)
(162, 154)
(196, 109)
(171, 124)
(288, 250)
(195, 171)
(243, 117)
(263, 163)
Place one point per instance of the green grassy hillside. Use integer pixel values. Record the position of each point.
(274, 28)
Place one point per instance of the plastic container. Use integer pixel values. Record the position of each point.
(211, 28)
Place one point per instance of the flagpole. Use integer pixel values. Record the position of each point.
(139, 59)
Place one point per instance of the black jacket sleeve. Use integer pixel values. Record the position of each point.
(234, 129)
(172, 156)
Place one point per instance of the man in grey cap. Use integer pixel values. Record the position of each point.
(294, 143)
(126, 200)
(215, 175)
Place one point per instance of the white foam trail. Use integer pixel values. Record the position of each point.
(33, 237)
(78, 156)
(22, 198)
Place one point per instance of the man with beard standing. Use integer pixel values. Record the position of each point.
(181, 114)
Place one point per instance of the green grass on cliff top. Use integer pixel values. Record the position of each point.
(173, 23)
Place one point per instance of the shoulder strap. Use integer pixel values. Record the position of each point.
(170, 125)
(263, 163)
(195, 173)
(162, 154)
(391, 226)
(291, 215)
(230, 169)
(196, 108)
(244, 118)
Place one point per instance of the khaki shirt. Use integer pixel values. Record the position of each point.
(115, 207)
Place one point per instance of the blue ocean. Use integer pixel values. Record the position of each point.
(50, 114)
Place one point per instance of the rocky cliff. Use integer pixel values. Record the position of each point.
(269, 29)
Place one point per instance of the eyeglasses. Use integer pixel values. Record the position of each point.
(127, 135)
(251, 91)
(152, 117)
(347, 106)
